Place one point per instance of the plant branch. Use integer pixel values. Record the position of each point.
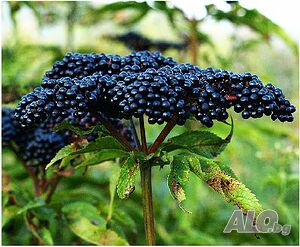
(53, 182)
(147, 204)
(143, 135)
(135, 136)
(163, 134)
(115, 133)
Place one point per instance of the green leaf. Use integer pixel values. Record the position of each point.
(113, 181)
(103, 155)
(178, 177)
(128, 173)
(107, 142)
(203, 143)
(45, 235)
(110, 237)
(83, 209)
(85, 221)
(39, 202)
(62, 153)
(8, 213)
(101, 143)
(125, 220)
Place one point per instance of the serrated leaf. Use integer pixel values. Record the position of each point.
(126, 182)
(85, 221)
(39, 202)
(107, 142)
(178, 177)
(101, 143)
(8, 213)
(101, 156)
(202, 143)
(232, 190)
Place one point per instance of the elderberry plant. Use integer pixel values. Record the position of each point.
(88, 90)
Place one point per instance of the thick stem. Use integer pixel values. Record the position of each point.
(163, 134)
(148, 205)
(143, 135)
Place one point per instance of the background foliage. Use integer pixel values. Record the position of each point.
(263, 154)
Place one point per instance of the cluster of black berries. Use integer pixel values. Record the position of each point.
(81, 65)
(9, 130)
(38, 145)
(147, 83)
(249, 96)
(138, 42)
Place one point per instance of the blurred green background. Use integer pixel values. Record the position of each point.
(264, 154)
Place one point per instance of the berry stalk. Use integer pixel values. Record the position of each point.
(163, 134)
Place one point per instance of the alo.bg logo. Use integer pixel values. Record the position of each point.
(265, 222)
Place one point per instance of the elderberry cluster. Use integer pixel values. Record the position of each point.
(38, 145)
(83, 87)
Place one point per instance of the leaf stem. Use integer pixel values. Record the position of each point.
(147, 204)
(163, 134)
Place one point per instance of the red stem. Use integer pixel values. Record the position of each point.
(163, 134)
(143, 135)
